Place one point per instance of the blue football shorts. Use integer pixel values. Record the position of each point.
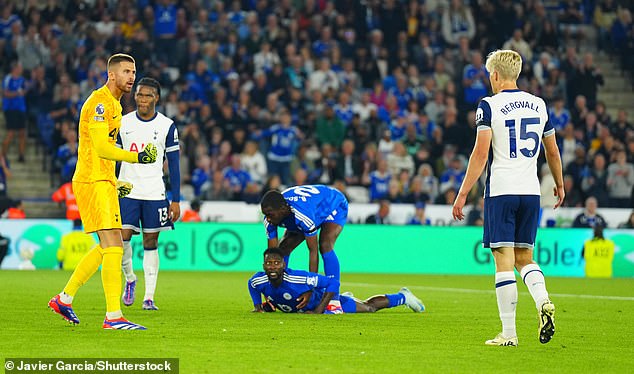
(339, 215)
(348, 304)
(152, 215)
(511, 221)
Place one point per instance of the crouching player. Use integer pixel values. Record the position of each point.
(306, 211)
(282, 289)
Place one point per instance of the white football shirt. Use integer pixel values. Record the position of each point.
(135, 133)
(519, 121)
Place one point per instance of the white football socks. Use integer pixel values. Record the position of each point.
(534, 280)
(65, 298)
(150, 268)
(126, 262)
(506, 292)
(114, 315)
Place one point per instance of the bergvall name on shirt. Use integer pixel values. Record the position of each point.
(509, 107)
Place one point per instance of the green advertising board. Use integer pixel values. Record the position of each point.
(360, 248)
(380, 249)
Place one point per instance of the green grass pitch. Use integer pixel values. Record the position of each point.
(205, 321)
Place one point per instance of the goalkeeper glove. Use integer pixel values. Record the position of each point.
(124, 188)
(148, 154)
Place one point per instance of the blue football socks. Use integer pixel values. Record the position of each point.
(395, 299)
(331, 267)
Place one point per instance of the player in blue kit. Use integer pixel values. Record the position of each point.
(510, 125)
(283, 288)
(305, 211)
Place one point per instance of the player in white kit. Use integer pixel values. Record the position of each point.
(511, 125)
(147, 208)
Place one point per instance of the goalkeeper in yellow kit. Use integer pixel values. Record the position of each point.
(97, 191)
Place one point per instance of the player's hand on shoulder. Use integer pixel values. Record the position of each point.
(123, 188)
(148, 154)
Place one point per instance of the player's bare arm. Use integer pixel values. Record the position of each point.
(313, 253)
(272, 243)
(324, 302)
(554, 163)
(477, 160)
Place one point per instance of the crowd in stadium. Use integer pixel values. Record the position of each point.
(376, 94)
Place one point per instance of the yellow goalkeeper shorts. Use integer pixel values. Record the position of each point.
(98, 204)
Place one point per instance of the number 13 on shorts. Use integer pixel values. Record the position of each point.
(163, 215)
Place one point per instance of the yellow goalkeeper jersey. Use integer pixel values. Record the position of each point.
(599, 254)
(101, 109)
(73, 247)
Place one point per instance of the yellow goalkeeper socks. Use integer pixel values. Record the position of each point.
(111, 277)
(84, 270)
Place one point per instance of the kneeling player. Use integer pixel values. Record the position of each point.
(283, 287)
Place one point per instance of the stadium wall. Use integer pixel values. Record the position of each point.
(360, 248)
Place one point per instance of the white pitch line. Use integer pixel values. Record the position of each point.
(470, 290)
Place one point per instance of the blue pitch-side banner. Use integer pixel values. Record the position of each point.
(360, 248)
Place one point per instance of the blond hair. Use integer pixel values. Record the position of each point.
(506, 62)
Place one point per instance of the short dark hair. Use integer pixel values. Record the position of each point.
(276, 251)
(118, 58)
(598, 230)
(150, 82)
(273, 199)
(195, 205)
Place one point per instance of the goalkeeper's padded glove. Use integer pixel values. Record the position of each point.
(124, 188)
(148, 154)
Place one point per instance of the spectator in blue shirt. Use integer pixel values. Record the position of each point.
(452, 177)
(237, 178)
(14, 107)
(379, 181)
(419, 216)
(558, 115)
(165, 30)
(401, 92)
(284, 138)
(343, 109)
(475, 80)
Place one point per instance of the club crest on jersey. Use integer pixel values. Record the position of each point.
(100, 109)
(287, 296)
(311, 281)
